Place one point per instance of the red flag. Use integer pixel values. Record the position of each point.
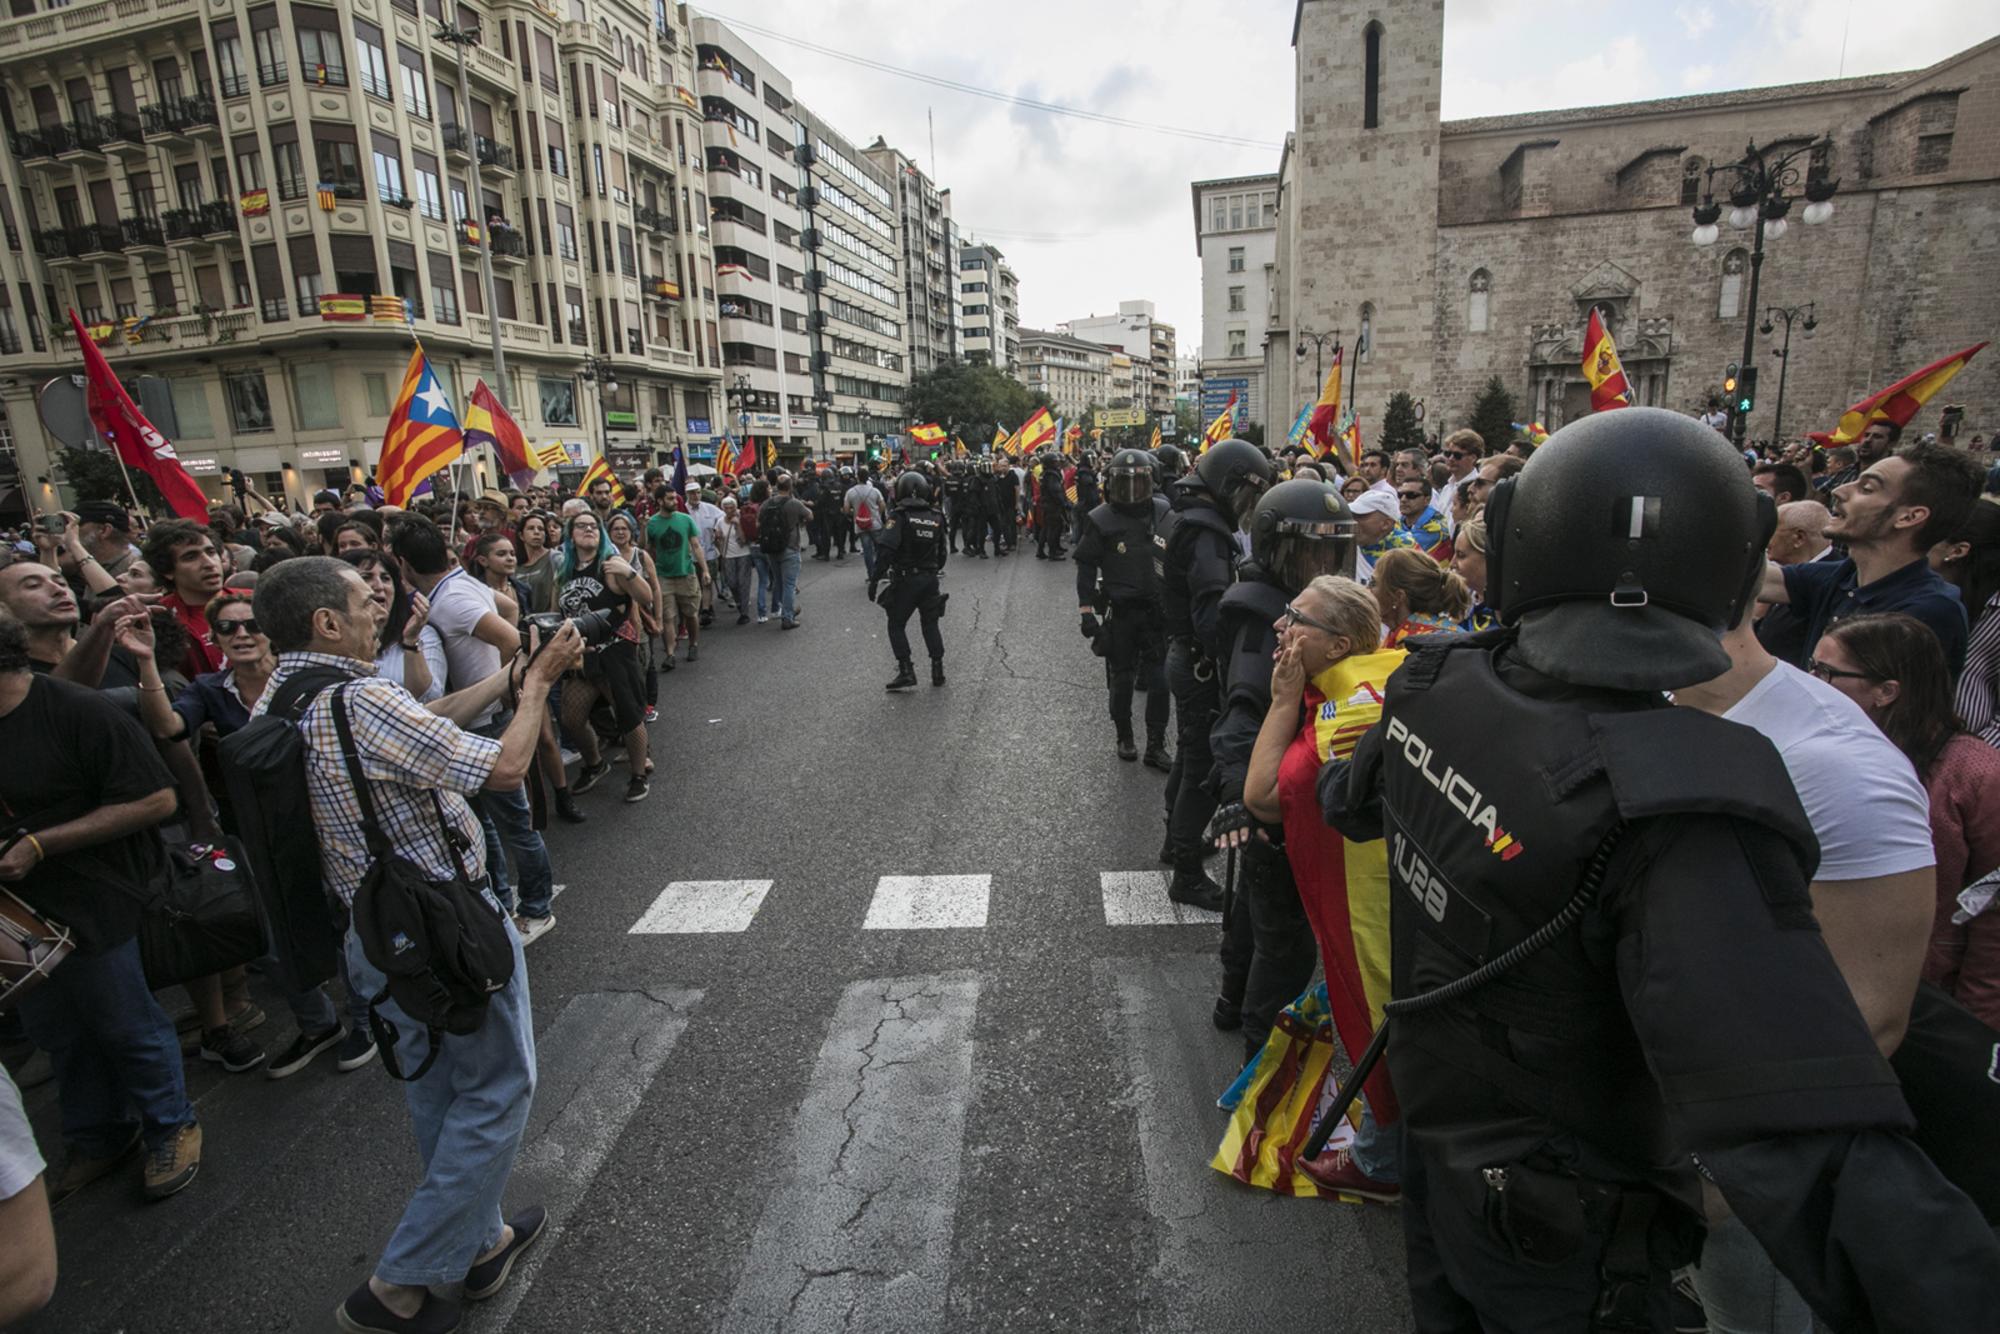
(140, 444)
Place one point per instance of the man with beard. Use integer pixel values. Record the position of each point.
(1877, 439)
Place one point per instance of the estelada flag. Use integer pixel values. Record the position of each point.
(1600, 366)
(423, 434)
(1325, 419)
(1035, 432)
(1223, 426)
(725, 458)
(601, 471)
(1347, 445)
(138, 442)
(487, 423)
(930, 433)
(1900, 401)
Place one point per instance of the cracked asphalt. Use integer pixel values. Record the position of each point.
(807, 1125)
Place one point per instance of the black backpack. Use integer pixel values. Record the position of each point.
(264, 768)
(774, 527)
(442, 946)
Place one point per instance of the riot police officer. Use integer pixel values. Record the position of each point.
(1170, 466)
(954, 503)
(1121, 615)
(1299, 531)
(1198, 567)
(1051, 510)
(1003, 504)
(909, 554)
(1087, 497)
(1606, 972)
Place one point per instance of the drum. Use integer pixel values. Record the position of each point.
(31, 945)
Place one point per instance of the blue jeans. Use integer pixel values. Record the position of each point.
(766, 594)
(469, 1112)
(788, 585)
(1741, 1291)
(117, 1062)
(867, 542)
(509, 822)
(1375, 1151)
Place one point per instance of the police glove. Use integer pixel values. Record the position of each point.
(1231, 826)
(1090, 626)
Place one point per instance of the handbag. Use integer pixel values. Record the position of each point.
(204, 920)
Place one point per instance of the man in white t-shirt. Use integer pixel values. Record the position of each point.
(708, 522)
(1874, 895)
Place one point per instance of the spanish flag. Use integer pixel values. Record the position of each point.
(1901, 400)
(1325, 419)
(343, 306)
(1035, 432)
(423, 435)
(1223, 427)
(601, 471)
(487, 423)
(1600, 366)
(930, 433)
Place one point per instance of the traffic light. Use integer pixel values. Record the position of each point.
(1746, 391)
(1729, 381)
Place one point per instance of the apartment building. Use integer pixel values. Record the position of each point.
(1075, 374)
(808, 261)
(1236, 238)
(931, 300)
(253, 207)
(1137, 333)
(992, 308)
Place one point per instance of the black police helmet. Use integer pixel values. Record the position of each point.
(1173, 462)
(1235, 472)
(1129, 480)
(1625, 548)
(1300, 530)
(912, 486)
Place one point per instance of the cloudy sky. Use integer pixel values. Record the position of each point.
(1091, 214)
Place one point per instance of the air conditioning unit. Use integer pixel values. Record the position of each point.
(809, 198)
(815, 281)
(822, 361)
(803, 155)
(816, 322)
(810, 238)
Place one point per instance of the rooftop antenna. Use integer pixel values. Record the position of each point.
(931, 120)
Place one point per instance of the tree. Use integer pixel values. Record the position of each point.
(94, 474)
(1399, 424)
(1493, 415)
(1252, 434)
(962, 398)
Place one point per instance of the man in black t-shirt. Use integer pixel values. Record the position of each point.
(80, 846)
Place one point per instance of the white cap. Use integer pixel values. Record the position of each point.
(1378, 499)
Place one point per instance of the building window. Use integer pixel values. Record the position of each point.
(270, 47)
(1238, 342)
(1236, 300)
(371, 59)
(229, 65)
(565, 233)
(1371, 76)
(376, 385)
(430, 201)
(416, 88)
(1475, 306)
(291, 170)
(389, 178)
(310, 288)
(321, 60)
(249, 402)
(1691, 178)
(190, 396)
(1236, 259)
(558, 402)
(1730, 301)
(1236, 213)
(312, 392)
(339, 165)
(1218, 213)
(249, 174)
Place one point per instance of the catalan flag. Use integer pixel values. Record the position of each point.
(1000, 438)
(1608, 388)
(1156, 438)
(770, 453)
(725, 458)
(930, 433)
(600, 471)
(1035, 432)
(958, 448)
(423, 434)
(487, 423)
(1325, 419)
(388, 309)
(1224, 425)
(324, 194)
(1901, 400)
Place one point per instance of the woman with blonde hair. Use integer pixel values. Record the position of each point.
(1468, 560)
(1417, 596)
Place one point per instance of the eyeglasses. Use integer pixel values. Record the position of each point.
(225, 628)
(1293, 616)
(1832, 674)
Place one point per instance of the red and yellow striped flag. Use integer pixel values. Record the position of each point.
(725, 458)
(1035, 432)
(1600, 366)
(601, 471)
(1900, 401)
(1223, 427)
(423, 434)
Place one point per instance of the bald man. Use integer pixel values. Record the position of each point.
(1800, 538)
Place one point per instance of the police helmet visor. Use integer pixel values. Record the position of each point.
(1131, 485)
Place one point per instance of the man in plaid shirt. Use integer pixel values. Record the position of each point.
(471, 1108)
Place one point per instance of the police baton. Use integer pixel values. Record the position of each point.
(1349, 1090)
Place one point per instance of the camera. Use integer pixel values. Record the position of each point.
(51, 523)
(598, 627)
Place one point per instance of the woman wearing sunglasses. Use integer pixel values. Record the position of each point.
(1893, 667)
(1326, 690)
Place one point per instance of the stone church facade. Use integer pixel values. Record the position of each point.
(1477, 248)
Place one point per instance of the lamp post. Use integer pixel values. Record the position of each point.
(1807, 322)
(1320, 342)
(1760, 188)
(739, 395)
(459, 39)
(1354, 371)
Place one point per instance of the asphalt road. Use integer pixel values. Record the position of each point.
(879, 1058)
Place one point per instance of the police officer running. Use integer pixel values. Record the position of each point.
(909, 554)
(1117, 546)
(1608, 980)
(1200, 565)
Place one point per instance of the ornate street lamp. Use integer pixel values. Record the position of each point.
(1807, 322)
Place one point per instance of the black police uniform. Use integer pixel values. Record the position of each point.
(1003, 506)
(1199, 565)
(811, 493)
(1051, 514)
(954, 504)
(1087, 496)
(909, 554)
(1119, 547)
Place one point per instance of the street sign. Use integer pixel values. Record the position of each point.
(1215, 397)
(1110, 417)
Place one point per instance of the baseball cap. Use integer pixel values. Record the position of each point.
(104, 512)
(1377, 499)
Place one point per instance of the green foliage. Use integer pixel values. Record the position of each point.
(1252, 434)
(1187, 418)
(1399, 424)
(970, 400)
(1493, 415)
(94, 474)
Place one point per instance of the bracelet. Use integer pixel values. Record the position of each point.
(144, 686)
(36, 844)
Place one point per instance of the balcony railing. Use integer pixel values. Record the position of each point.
(509, 244)
(658, 220)
(52, 243)
(457, 139)
(577, 333)
(186, 224)
(493, 153)
(235, 85)
(274, 309)
(95, 238)
(179, 115)
(142, 232)
(28, 144)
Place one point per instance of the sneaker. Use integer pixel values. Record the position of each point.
(637, 789)
(652, 714)
(356, 1049)
(532, 929)
(762, 619)
(490, 1275)
(82, 1169)
(231, 1050)
(591, 775)
(694, 650)
(363, 1313)
(1335, 1170)
(171, 1165)
(247, 1019)
(569, 757)
(299, 1055)
(667, 664)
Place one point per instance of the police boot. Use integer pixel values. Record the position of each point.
(937, 672)
(1157, 756)
(1227, 1016)
(906, 676)
(1192, 886)
(1127, 749)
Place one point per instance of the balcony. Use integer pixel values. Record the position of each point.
(181, 117)
(513, 333)
(509, 244)
(143, 234)
(111, 21)
(124, 133)
(199, 224)
(457, 139)
(494, 154)
(578, 334)
(653, 219)
(89, 238)
(586, 35)
(671, 356)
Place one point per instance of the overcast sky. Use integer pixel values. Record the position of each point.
(1090, 214)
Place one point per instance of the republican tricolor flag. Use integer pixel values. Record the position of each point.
(487, 423)
(1600, 366)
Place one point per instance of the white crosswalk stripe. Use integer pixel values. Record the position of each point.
(928, 902)
(700, 907)
(1139, 898)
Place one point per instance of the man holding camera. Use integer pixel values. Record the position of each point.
(470, 1107)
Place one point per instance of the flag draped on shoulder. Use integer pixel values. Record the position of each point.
(1600, 366)
(487, 423)
(1224, 425)
(423, 435)
(599, 470)
(137, 441)
(1900, 401)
